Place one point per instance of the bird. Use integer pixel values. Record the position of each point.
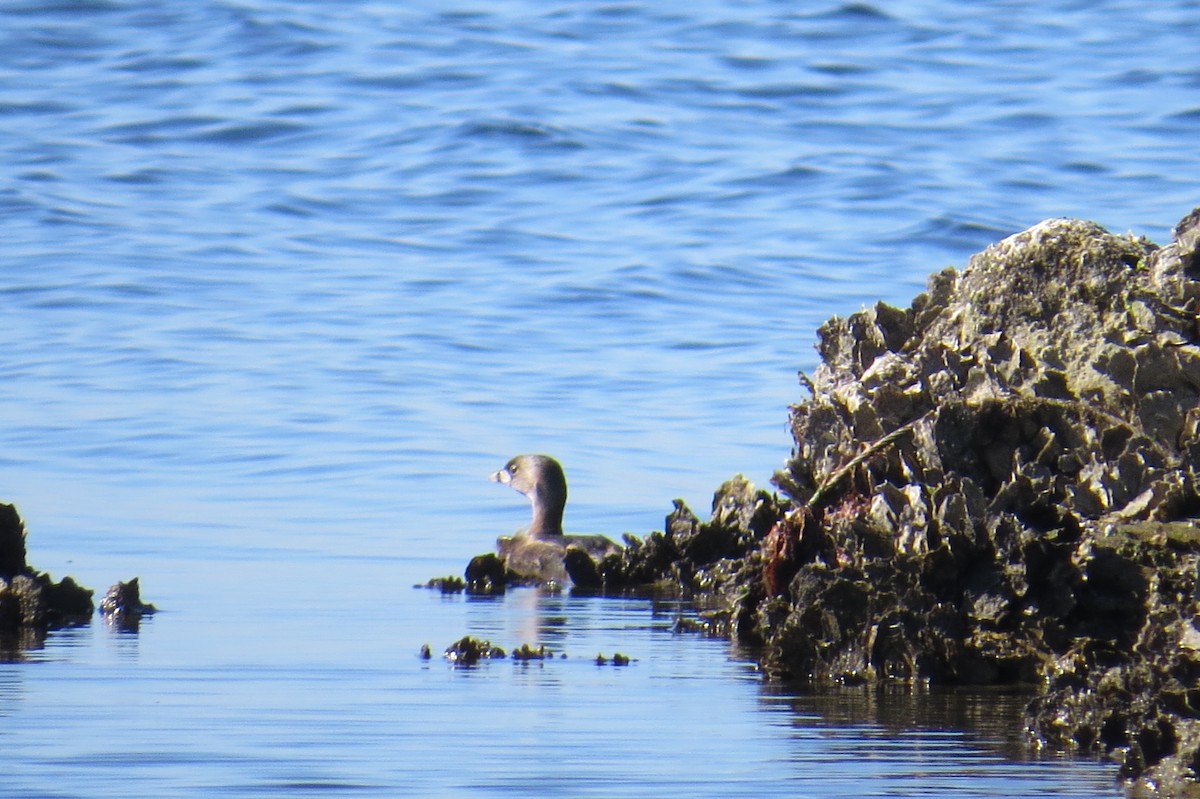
(539, 550)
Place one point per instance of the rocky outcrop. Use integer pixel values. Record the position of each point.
(997, 484)
(962, 460)
(31, 603)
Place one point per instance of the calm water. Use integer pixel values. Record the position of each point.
(284, 281)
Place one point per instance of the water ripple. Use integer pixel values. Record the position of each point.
(285, 278)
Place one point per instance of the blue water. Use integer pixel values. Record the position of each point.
(284, 281)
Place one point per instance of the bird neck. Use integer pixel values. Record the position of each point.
(547, 516)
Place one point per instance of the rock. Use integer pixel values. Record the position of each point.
(67, 602)
(122, 606)
(468, 651)
(525, 652)
(12, 542)
(32, 603)
(581, 569)
(1041, 410)
(485, 574)
(447, 585)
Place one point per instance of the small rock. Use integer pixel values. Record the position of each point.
(526, 652)
(582, 569)
(486, 574)
(447, 585)
(122, 606)
(468, 651)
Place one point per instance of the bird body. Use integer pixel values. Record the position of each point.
(539, 549)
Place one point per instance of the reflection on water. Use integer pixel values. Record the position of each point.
(988, 717)
(11, 683)
(300, 698)
(930, 743)
(17, 646)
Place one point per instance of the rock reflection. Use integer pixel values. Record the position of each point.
(989, 717)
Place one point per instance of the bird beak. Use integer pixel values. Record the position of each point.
(501, 476)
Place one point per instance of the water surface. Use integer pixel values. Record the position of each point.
(284, 281)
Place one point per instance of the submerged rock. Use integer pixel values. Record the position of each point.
(122, 606)
(447, 585)
(486, 574)
(525, 652)
(468, 651)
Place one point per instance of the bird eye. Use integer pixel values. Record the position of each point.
(512, 468)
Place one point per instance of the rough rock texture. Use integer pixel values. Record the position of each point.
(997, 484)
(1045, 410)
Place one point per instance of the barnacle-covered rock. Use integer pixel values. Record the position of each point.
(979, 461)
(970, 494)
